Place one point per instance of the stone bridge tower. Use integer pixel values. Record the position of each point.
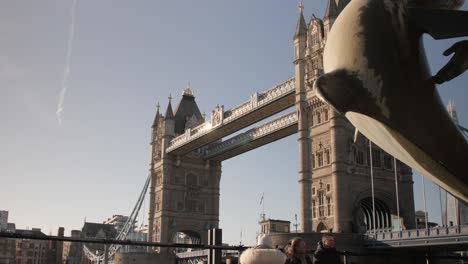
(184, 190)
(334, 176)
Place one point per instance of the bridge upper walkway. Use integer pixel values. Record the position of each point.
(258, 107)
(273, 130)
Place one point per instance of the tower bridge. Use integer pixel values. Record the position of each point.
(347, 185)
(334, 170)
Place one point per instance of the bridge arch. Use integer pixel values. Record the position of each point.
(185, 236)
(365, 217)
(321, 227)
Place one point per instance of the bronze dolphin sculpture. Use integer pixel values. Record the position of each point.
(376, 74)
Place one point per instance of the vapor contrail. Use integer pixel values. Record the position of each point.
(66, 72)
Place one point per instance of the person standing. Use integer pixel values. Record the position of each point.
(296, 251)
(262, 253)
(326, 252)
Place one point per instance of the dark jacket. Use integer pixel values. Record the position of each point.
(296, 260)
(324, 255)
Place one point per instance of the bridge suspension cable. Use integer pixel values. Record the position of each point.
(424, 200)
(129, 224)
(372, 186)
(397, 194)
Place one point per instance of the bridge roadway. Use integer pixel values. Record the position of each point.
(453, 238)
(266, 133)
(258, 107)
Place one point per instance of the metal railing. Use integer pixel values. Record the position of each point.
(418, 233)
(108, 242)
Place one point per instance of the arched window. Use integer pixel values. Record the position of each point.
(320, 158)
(313, 161)
(376, 160)
(388, 162)
(314, 209)
(360, 157)
(192, 179)
(327, 157)
(321, 204)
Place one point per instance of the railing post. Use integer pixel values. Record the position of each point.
(215, 238)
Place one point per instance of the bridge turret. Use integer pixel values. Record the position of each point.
(331, 13)
(155, 127)
(169, 121)
(187, 114)
(334, 9)
(305, 174)
(300, 36)
(168, 129)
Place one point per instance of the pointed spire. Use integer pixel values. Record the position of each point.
(169, 114)
(156, 118)
(188, 90)
(452, 111)
(332, 10)
(301, 28)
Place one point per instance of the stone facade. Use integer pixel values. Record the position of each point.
(273, 226)
(184, 191)
(336, 187)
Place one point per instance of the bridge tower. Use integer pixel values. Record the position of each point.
(184, 190)
(334, 166)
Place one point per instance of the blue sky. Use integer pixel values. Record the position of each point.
(127, 56)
